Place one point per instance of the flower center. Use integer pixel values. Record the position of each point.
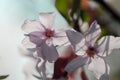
(91, 51)
(49, 33)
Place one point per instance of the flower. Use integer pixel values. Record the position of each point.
(42, 37)
(92, 52)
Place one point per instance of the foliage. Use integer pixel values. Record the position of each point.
(3, 77)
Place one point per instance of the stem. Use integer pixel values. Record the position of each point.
(109, 9)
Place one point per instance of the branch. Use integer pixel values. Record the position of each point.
(109, 9)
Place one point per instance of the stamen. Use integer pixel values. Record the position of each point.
(49, 33)
(91, 51)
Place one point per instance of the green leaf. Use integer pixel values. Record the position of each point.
(62, 7)
(85, 16)
(3, 77)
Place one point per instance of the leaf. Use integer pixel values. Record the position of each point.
(85, 16)
(3, 77)
(76, 63)
(62, 7)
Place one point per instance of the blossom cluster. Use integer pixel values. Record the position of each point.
(43, 39)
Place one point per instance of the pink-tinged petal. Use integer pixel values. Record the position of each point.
(36, 37)
(103, 46)
(76, 63)
(60, 33)
(39, 53)
(40, 67)
(92, 27)
(26, 52)
(27, 43)
(47, 19)
(60, 41)
(80, 52)
(50, 52)
(49, 41)
(60, 37)
(74, 38)
(84, 27)
(93, 34)
(98, 67)
(32, 25)
(114, 42)
(107, 44)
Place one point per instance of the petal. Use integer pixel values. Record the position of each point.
(74, 38)
(60, 38)
(47, 19)
(41, 67)
(36, 37)
(114, 42)
(27, 43)
(76, 63)
(98, 67)
(80, 52)
(60, 41)
(84, 27)
(93, 34)
(49, 41)
(107, 44)
(49, 51)
(26, 52)
(39, 54)
(60, 33)
(32, 25)
(92, 27)
(82, 49)
(40, 64)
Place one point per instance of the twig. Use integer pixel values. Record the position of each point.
(108, 8)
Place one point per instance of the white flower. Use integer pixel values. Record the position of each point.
(42, 37)
(90, 52)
